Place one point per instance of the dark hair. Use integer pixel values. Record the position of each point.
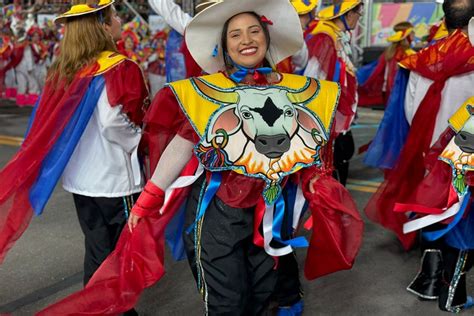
(458, 13)
(264, 27)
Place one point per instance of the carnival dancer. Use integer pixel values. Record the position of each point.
(156, 66)
(306, 12)
(26, 83)
(330, 53)
(40, 59)
(249, 128)
(439, 76)
(128, 45)
(85, 128)
(377, 79)
(422, 102)
(7, 76)
(443, 202)
(178, 20)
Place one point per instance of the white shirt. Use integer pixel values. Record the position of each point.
(172, 14)
(456, 91)
(105, 162)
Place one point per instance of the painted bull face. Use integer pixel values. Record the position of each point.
(460, 152)
(261, 132)
(465, 138)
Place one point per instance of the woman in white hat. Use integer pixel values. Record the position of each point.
(241, 151)
(244, 122)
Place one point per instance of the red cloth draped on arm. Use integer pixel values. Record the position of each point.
(447, 58)
(337, 225)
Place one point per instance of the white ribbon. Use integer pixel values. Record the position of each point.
(268, 234)
(136, 170)
(181, 182)
(432, 219)
(298, 207)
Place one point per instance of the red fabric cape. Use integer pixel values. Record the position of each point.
(447, 58)
(58, 103)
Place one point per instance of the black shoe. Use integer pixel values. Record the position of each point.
(427, 282)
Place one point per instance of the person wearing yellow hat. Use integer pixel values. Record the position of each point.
(377, 78)
(85, 129)
(330, 51)
(228, 143)
(305, 10)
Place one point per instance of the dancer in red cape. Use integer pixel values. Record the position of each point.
(240, 214)
(375, 88)
(439, 75)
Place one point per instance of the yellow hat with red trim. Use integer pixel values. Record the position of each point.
(400, 35)
(337, 10)
(303, 7)
(83, 9)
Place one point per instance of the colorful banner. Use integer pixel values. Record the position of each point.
(386, 15)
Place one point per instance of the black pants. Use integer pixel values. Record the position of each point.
(343, 151)
(234, 276)
(102, 220)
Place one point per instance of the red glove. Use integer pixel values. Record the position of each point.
(150, 200)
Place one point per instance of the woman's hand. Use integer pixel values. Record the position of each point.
(133, 221)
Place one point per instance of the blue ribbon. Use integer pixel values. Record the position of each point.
(337, 9)
(295, 310)
(240, 74)
(307, 2)
(214, 183)
(337, 72)
(343, 19)
(430, 236)
(279, 215)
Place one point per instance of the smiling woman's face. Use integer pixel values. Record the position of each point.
(246, 42)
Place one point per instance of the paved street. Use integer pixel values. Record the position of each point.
(46, 263)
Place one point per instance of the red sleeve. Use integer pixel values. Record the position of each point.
(322, 47)
(126, 86)
(163, 120)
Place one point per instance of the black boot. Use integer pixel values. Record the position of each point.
(427, 282)
(453, 294)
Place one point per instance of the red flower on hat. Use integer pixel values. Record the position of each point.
(265, 20)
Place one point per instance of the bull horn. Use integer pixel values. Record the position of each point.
(305, 95)
(219, 96)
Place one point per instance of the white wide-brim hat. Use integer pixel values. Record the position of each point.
(203, 34)
(471, 31)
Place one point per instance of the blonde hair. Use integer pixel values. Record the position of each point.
(84, 38)
(392, 49)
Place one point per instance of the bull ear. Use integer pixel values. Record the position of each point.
(225, 119)
(215, 94)
(309, 122)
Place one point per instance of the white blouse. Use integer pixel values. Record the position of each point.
(105, 161)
